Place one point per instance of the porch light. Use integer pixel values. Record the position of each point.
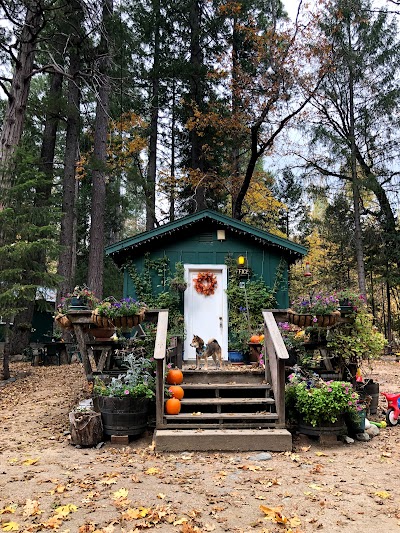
(307, 272)
(241, 260)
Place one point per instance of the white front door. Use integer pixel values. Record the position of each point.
(206, 316)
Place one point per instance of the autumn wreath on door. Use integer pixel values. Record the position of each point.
(205, 283)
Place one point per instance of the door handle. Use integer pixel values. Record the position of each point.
(220, 321)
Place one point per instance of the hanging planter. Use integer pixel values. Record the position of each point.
(63, 321)
(123, 314)
(306, 320)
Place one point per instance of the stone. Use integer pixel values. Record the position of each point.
(264, 456)
(363, 437)
(347, 440)
(372, 431)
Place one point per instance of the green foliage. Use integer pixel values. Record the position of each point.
(316, 304)
(112, 308)
(137, 382)
(246, 300)
(27, 237)
(156, 275)
(357, 341)
(319, 402)
(85, 295)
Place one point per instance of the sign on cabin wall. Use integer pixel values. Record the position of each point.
(244, 272)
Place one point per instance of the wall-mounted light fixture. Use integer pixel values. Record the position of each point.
(221, 234)
(241, 260)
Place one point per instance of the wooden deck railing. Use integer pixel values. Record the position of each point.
(160, 349)
(275, 354)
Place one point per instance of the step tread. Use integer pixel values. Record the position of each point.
(232, 386)
(225, 401)
(222, 416)
(234, 440)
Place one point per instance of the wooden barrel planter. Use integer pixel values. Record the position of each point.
(328, 428)
(305, 321)
(122, 416)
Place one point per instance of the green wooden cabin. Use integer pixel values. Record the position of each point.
(202, 242)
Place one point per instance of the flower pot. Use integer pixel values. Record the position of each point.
(235, 357)
(78, 303)
(127, 322)
(372, 390)
(102, 333)
(101, 321)
(326, 428)
(304, 321)
(122, 416)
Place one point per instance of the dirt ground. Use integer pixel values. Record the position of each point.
(47, 484)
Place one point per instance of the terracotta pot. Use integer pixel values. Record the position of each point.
(102, 333)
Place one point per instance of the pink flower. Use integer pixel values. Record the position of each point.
(126, 391)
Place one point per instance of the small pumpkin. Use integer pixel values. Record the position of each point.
(262, 338)
(176, 392)
(174, 376)
(255, 339)
(173, 406)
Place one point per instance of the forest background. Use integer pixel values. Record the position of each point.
(121, 116)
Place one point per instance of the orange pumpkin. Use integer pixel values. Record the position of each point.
(174, 376)
(177, 392)
(255, 339)
(173, 406)
(261, 338)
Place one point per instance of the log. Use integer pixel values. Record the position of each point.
(86, 428)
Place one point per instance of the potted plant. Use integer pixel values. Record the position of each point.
(357, 343)
(123, 401)
(81, 298)
(319, 406)
(123, 314)
(317, 310)
(350, 301)
(178, 282)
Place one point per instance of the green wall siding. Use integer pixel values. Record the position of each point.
(204, 248)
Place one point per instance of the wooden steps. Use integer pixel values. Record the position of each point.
(224, 410)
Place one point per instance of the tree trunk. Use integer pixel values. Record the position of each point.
(152, 167)
(196, 98)
(67, 255)
(21, 331)
(17, 99)
(173, 148)
(354, 180)
(96, 248)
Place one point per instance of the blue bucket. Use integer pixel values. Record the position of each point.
(235, 357)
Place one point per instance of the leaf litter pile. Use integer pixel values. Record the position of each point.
(46, 484)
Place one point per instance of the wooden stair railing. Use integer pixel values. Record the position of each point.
(160, 349)
(275, 354)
